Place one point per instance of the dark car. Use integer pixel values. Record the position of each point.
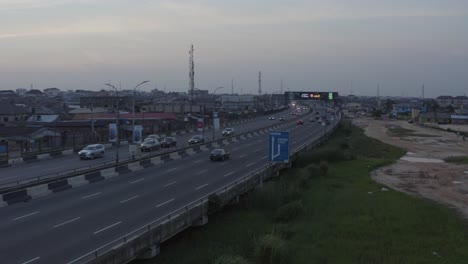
(300, 122)
(168, 142)
(150, 145)
(219, 154)
(196, 139)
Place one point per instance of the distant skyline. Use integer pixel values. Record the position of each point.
(316, 45)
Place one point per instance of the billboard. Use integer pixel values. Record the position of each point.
(113, 132)
(323, 96)
(137, 131)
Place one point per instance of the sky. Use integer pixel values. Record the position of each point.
(347, 46)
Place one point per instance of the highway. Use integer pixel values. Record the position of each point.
(61, 227)
(68, 163)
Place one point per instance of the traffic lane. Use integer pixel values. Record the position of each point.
(196, 188)
(72, 162)
(56, 202)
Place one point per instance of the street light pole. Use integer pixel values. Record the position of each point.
(117, 122)
(133, 110)
(214, 101)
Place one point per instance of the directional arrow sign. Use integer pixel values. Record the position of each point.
(278, 143)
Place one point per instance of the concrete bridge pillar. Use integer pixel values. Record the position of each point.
(150, 253)
(202, 221)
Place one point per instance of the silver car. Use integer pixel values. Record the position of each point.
(228, 131)
(92, 151)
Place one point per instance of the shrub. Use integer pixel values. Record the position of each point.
(271, 249)
(214, 203)
(231, 259)
(290, 211)
(314, 170)
(292, 193)
(284, 230)
(323, 168)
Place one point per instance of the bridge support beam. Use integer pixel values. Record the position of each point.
(150, 253)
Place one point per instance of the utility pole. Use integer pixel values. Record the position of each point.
(378, 96)
(117, 122)
(281, 89)
(423, 92)
(232, 86)
(259, 83)
(191, 75)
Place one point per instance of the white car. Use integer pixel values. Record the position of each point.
(92, 151)
(271, 118)
(228, 131)
(152, 137)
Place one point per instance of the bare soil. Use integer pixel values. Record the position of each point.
(428, 177)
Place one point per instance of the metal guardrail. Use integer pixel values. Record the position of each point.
(153, 224)
(57, 176)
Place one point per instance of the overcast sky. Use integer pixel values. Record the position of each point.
(312, 45)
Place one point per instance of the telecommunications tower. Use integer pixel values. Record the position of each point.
(259, 83)
(191, 75)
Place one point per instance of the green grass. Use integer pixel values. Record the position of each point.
(334, 218)
(457, 159)
(403, 132)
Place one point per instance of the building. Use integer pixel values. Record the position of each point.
(52, 92)
(34, 93)
(353, 106)
(108, 102)
(435, 117)
(10, 113)
(402, 109)
(459, 119)
(459, 101)
(444, 100)
(21, 91)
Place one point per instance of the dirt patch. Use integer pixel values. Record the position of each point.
(422, 171)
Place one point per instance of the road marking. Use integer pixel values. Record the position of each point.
(232, 172)
(257, 150)
(199, 187)
(139, 180)
(169, 184)
(91, 195)
(198, 173)
(248, 165)
(242, 156)
(171, 170)
(31, 260)
(264, 157)
(105, 228)
(166, 202)
(235, 149)
(131, 198)
(66, 222)
(18, 218)
(197, 161)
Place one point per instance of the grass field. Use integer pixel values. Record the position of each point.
(403, 132)
(327, 212)
(457, 159)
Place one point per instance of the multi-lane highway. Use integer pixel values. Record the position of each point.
(60, 228)
(59, 165)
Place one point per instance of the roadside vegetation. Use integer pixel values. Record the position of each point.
(457, 159)
(404, 132)
(327, 210)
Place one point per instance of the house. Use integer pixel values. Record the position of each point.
(459, 101)
(11, 113)
(34, 92)
(444, 100)
(402, 109)
(52, 92)
(459, 119)
(353, 106)
(30, 138)
(21, 91)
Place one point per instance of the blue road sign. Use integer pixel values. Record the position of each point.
(278, 143)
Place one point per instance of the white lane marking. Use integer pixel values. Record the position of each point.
(139, 180)
(91, 195)
(200, 172)
(31, 260)
(199, 187)
(18, 218)
(242, 156)
(171, 170)
(248, 165)
(197, 161)
(105, 228)
(129, 199)
(264, 157)
(66, 222)
(169, 184)
(235, 149)
(166, 202)
(232, 172)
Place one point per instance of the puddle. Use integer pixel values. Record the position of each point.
(423, 160)
(457, 182)
(411, 153)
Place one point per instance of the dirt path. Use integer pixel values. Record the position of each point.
(422, 170)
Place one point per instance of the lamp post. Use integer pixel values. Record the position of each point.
(117, 122)
(214, 101)
(133, 110)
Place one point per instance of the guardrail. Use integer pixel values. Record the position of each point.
(57, 176)
(94, 254)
